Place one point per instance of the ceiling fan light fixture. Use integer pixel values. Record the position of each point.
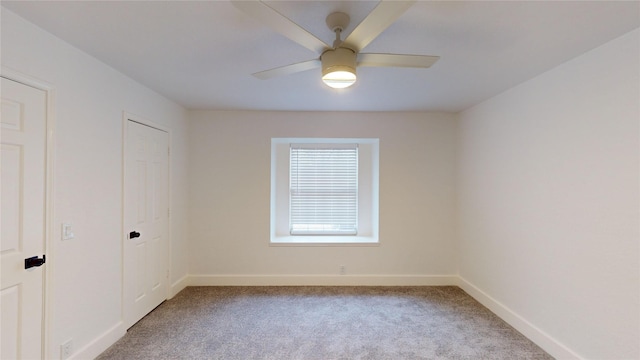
(339, 79)
(339, 68)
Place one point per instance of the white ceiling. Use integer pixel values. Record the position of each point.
(201, 53)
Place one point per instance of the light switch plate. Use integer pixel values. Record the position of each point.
(67, 231)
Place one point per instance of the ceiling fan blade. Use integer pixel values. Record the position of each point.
(288, 69)
(281, 24)
(382, 16)
(396, 60)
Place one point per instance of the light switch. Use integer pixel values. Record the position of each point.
(67, 231)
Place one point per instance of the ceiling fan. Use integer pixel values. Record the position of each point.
(339, 61)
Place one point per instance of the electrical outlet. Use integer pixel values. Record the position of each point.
(343, 270)
(66, 349)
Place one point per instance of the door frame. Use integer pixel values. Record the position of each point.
(126, 117)
(49, 231)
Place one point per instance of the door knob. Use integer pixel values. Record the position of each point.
(34, 261)
(134, 234)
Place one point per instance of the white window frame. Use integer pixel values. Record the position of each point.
(368, 184)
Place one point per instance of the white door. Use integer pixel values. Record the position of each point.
(146, 243)
(23, 219)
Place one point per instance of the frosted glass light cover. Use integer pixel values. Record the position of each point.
(339, 79)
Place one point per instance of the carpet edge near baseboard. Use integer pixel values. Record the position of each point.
(548, 343)
(552, 346)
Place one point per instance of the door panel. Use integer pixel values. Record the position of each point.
(146, 212)
(10, 300)
(11, 204)
(22, 168)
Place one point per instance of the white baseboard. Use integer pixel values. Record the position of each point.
(99, 344)
(178, 286)
(322, 280)
(539, 337)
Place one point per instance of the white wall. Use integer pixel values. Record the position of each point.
(90, 100)
(548, 201)
(230, 184)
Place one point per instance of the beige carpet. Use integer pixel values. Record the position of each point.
(322, 323)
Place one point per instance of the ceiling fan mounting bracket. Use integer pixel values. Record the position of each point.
(338, 21)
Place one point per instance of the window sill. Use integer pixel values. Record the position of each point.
(324, 241)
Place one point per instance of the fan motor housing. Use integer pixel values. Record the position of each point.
(340, 59)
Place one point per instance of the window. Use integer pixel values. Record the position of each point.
(324, 191)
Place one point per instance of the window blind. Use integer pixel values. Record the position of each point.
(323, 189)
